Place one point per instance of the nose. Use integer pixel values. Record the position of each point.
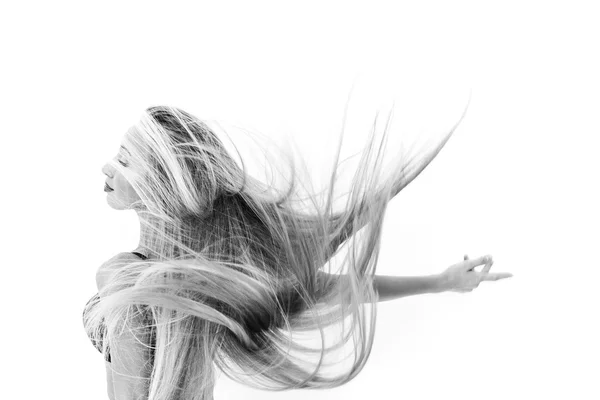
(106, 170)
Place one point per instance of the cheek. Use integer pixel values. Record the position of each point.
(126, 190)
(123, 186)
(129, 191)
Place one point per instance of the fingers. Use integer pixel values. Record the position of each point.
(484, 274)
(488, 266)
(470, 264)
(496, 276)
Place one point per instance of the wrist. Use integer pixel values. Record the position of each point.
(440, 283)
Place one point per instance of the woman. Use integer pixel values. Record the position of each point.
(226, 270)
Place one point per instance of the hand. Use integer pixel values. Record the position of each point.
(462, 277)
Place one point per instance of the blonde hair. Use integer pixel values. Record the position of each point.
(235, 269)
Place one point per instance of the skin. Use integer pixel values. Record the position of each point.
(126, 374)
(119, 373)
(463, 277)
(460, 277)
(123, 194)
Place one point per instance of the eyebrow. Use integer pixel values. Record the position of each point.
(125, 150)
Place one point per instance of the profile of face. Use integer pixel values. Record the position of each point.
(122, 195)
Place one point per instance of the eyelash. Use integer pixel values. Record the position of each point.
(122, 163)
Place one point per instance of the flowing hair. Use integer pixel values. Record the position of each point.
(237, 267)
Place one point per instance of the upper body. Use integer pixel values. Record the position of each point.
(127, 376)
(190, 192)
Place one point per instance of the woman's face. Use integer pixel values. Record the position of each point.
(123, 194)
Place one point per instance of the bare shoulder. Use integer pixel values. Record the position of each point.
(107, 268)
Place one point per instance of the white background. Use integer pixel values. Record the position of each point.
(518, 179)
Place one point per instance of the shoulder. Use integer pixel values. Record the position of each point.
(107, 268)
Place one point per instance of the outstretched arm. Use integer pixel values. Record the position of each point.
(394, 287)
(460, 277)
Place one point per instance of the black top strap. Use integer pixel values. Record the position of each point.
(140, 255)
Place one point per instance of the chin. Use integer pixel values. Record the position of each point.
(117, 205)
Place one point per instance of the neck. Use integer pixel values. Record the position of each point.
(146, 245)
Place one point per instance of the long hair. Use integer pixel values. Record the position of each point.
(236, 266)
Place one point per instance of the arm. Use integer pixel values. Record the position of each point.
(129, 371)
(394, 287)
(460, 277)
(109, 381)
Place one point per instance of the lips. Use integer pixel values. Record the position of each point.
(107, 188)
